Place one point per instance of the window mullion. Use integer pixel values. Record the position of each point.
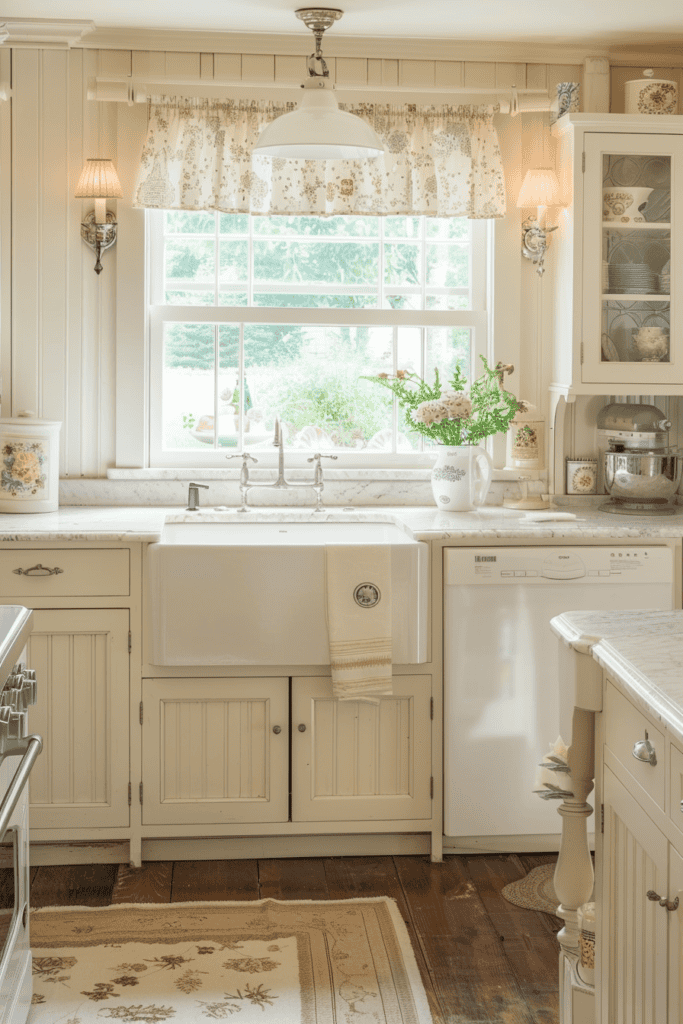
(250, 263)
(380, 269)
(217, 257)
(423, 260)
(216, 357)
(394, 404)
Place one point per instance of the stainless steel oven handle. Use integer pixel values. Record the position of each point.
(30, 746)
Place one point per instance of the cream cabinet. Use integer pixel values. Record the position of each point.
(215, 751)
(81, 661)
(355, 761)
(616, 319)
(635, 931)
(641, 920)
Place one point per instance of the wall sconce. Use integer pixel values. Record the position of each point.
(540, 188)
(99, 181)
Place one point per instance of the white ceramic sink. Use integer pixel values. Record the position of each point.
(252, 592)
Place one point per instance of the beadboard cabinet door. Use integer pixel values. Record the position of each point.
(215, 751)
(634, 930)
(354, 761)
(81, 661)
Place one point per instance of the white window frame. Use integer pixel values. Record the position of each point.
(476, 319)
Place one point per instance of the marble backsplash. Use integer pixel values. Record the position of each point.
(342, 487)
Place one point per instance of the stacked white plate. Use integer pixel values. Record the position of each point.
(631, 278)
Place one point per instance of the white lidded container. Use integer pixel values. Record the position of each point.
(650, 95)
(29, 464)
(526, 439)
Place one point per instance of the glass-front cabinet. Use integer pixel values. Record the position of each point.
(619, 247)
(628, 310)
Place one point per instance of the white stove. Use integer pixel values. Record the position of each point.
(18, 752)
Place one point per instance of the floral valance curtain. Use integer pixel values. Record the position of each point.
(442, 162)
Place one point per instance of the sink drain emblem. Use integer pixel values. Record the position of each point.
(367, 595)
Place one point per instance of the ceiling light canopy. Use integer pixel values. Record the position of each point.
(318, 129)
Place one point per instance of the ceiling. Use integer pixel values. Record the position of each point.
(573, 22)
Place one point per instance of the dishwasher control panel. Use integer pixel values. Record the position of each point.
(539, 565)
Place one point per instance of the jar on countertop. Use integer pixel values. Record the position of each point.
(29, 467)
(526, 439)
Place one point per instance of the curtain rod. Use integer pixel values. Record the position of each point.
(511, 100)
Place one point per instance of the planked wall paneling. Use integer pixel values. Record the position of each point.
(61, 347)
(62, 330)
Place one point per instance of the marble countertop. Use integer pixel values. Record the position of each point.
(145, 523)
(641, 650)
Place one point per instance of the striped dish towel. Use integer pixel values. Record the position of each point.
(360, 637)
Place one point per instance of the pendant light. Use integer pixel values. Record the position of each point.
(318, 129)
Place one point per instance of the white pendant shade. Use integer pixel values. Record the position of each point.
(539, 188)
(319, 130)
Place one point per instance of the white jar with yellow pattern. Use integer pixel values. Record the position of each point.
(29, 464)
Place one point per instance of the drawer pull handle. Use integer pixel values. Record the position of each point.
(301, 728)
(667, 904)
(38, 570)
(644, 751)
(277, 729)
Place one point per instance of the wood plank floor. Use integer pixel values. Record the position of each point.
(483, 960)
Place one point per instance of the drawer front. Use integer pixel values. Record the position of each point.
(676, 809)
(82, 572)
(625, 726)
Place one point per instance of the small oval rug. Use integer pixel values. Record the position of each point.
(535, 891)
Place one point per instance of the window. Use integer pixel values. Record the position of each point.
(254, 317)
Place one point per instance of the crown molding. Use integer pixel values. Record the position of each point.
(41, 33)
(337, 45)
(65, 33)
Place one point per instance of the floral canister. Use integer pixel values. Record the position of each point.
(29, 477)
(650, 95)
(526, 439)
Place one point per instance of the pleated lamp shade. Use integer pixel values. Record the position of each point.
(319, 130)
(539, 188)
(98, 180)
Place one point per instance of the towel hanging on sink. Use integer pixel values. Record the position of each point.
(358, 588)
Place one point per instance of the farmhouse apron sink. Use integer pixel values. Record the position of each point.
(253, 592)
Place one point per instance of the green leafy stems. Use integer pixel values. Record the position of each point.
(493, 408)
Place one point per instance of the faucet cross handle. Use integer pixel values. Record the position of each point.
(318, 478)
(244, 472)
(244, 456)
(318, 465)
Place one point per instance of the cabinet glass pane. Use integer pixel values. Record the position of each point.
(636, 258)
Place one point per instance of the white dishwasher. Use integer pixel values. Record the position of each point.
(501, 693)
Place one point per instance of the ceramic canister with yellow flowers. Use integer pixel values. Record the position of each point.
(29, 470)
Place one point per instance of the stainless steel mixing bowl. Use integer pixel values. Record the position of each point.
(648, 477)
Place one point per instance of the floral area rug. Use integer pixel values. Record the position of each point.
(295, 962)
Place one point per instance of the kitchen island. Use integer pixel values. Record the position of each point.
(621, 685)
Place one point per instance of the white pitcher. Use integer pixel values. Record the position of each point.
(461, 477)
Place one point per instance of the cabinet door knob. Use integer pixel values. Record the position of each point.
(277, 729)
(667, 904)
(302, 727)
(644, 751)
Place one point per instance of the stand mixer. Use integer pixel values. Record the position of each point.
(636, 464)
